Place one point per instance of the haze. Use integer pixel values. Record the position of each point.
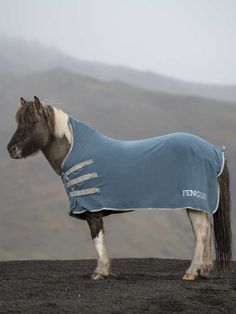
(187, 39)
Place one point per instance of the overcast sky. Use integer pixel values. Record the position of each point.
(188, 39)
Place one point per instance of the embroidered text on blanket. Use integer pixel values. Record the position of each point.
(194, 193)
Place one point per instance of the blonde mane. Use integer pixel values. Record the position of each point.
(61, 126)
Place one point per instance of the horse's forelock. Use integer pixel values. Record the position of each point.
(28, 114)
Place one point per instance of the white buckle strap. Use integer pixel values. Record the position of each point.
(82, 178)
(85, 192)
(78, 166)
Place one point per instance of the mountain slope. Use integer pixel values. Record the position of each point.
(22, 57)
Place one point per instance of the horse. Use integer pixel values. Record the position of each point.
(43, 127)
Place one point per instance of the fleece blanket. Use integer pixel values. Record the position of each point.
(172, 171)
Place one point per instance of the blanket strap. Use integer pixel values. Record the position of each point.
(85, 192)
(78, 167)
(82, 178)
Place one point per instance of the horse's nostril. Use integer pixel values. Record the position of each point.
(13, 149)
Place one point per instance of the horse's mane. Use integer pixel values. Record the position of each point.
(56, 119)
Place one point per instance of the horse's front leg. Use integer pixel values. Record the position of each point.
(95, 222)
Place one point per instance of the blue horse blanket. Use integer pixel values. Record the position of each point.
(173, 171)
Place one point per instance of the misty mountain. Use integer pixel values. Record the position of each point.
(20, 57)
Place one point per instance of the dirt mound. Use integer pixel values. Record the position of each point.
(142, 286)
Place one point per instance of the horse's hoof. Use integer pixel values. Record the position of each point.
(96, 276)
(189, 277)
(205, 271)
(204, 274)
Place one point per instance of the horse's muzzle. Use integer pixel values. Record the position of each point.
(14, 151)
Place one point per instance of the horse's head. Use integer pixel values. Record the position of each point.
(35, 128)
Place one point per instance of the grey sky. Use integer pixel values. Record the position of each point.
(189, 39)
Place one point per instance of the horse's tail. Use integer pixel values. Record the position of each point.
(222, 223)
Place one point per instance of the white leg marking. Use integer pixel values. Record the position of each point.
(103, 261)
(100, 246)
(200, 224)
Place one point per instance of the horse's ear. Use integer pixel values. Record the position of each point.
(22, 101)
(37, 103)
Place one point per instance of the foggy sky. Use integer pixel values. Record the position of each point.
(188, 39)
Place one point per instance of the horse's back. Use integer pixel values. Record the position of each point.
(178, 145)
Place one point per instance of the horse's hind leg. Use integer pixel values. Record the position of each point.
(200, 226)
(95, 222)
(207, 255)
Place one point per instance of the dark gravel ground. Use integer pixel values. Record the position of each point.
(142, 286)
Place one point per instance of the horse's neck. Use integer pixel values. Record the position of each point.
(56, 151)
